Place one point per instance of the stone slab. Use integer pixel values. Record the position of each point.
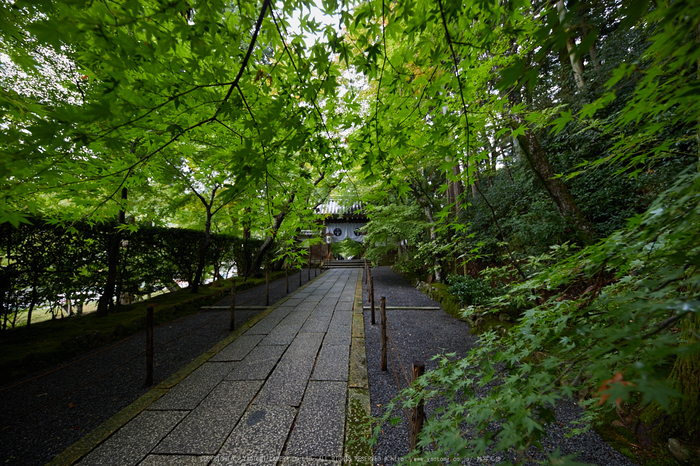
(340, 327)
(204, 430)
(296, 461)
(258, 438)
(344, 306)
(316, 323)
(332, 363)
(324, 310)
(135, 440)
(281, 335)
(338, 338)
(341, 318)
(176, 460)
(266, 325)
(320, 426)
(307, 305)
(191, 391)
(258, 364)
(287, 383)
(296, 318)
(238, 349)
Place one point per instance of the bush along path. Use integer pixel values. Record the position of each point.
(44, 414)
(419, 335)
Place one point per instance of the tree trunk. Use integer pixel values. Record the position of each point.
(656, 425)
(555, 187)
(246, 237)
(122, 274)
(105, 302)
(449, 193)
(433, 237)
(35, 283)
(267, 244)
(576, 63)
(593, 52)
(202, 254)
(277, 223)
(685, 377)
(3, 308)
(457, 186)
(505, 162)
(697, 132)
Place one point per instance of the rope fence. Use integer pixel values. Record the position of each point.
(416, 416)
(141, 354)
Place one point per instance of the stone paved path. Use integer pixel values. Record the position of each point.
(277, 393)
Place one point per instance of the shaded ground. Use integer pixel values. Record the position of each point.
(418, 335)
(42, 415)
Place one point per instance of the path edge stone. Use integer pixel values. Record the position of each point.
(94, 438)
(357, 450)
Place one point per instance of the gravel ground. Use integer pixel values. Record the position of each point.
(418, 335)
(44, 414)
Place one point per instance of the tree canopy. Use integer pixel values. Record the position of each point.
(485, 134)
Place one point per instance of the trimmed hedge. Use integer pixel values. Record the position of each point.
(44, 264)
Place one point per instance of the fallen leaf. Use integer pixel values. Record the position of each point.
(617, 378)
(71, 405)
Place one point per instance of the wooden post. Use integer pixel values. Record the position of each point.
(267, 287)
(365, 270)
(149, 346)
(233, 305)
(371, 297)
(417, 413)
(300, 270)
(367, 273)
(286, 277)
(308, 268)
(382, 306)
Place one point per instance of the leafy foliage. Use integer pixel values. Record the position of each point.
(483, 133)
(470, 290)
(46, 264)
(567, 343)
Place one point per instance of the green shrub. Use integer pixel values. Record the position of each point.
(470, 290)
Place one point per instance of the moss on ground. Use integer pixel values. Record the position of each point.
(618, 436)
(359, 432)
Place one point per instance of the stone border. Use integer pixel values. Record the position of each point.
(358, 415)
(90, 441)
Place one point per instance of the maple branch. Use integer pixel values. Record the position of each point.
(249, 52)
